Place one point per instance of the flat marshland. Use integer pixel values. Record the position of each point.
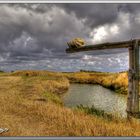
(31, 105)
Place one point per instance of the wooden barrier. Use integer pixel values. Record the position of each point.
(133, 74)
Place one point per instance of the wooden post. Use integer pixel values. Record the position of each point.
(135, 107)
(133, 77)
(130, 83)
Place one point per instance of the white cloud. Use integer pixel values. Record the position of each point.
(99, 34)
(114, 29)
(87, 57)
(91, 62)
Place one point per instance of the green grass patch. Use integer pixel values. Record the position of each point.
(122, 90)
(93, 111)
(53, 97)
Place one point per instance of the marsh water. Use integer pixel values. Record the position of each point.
(97, 96)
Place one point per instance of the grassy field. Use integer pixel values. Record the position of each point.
(114, 81)
(31, 106)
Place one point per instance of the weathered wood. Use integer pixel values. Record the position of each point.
(133, 83)
(135, 98)
(130, 82)
(113, 45)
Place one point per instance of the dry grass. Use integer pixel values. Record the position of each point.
(44, 73)
(27, 112)
(114, 81)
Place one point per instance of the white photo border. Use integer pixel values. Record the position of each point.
(61, 137)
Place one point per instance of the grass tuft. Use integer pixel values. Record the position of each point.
(53, 97)
(93, 111)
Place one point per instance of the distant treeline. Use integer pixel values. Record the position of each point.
(89, 71)
(99, 71)
(1, 71)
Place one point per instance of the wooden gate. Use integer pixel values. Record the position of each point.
(133, 73)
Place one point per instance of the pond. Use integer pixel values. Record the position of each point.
(98, 96)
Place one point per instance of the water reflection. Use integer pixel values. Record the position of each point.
(96, 95)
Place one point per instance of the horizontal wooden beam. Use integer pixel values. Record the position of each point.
(113, 45)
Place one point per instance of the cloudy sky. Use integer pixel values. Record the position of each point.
(34, 36)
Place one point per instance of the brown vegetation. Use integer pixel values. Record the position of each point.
(114, 81)
(31, 106)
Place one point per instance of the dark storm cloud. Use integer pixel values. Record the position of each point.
(48, 30)
(95, 14)
(130, 8)
(35, 33)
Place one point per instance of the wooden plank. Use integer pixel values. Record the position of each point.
(113, 45)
